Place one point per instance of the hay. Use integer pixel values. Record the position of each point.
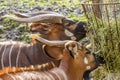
(105, 38)
(107, 41)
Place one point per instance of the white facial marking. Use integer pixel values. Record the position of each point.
(73, 38)
(70, 48)
(88, 67)
(68, 33)
(85, 60)
(75, 49)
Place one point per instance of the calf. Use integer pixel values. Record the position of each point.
(75, 60)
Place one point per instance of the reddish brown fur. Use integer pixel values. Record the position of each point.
(43, 67)
(31, 54)
(69, 69)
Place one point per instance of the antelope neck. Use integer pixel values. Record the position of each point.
(72, 71)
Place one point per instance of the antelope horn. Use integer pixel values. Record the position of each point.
(65, 20)
(44, 18)
(26, 15)
(22, 15)
(47, 42)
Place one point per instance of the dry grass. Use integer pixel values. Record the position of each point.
(106, 39)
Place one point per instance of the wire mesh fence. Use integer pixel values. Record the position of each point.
(104, 21)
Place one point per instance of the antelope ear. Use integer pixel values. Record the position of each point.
(72, 47)
(72, 26)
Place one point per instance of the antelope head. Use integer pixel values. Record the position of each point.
(52, 24)
(78, 57)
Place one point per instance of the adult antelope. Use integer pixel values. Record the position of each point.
(22, 54)
(51, 26)
(75, 60)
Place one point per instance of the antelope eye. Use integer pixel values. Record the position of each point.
(88, 52)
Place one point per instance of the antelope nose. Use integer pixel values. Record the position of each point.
(99, 60)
